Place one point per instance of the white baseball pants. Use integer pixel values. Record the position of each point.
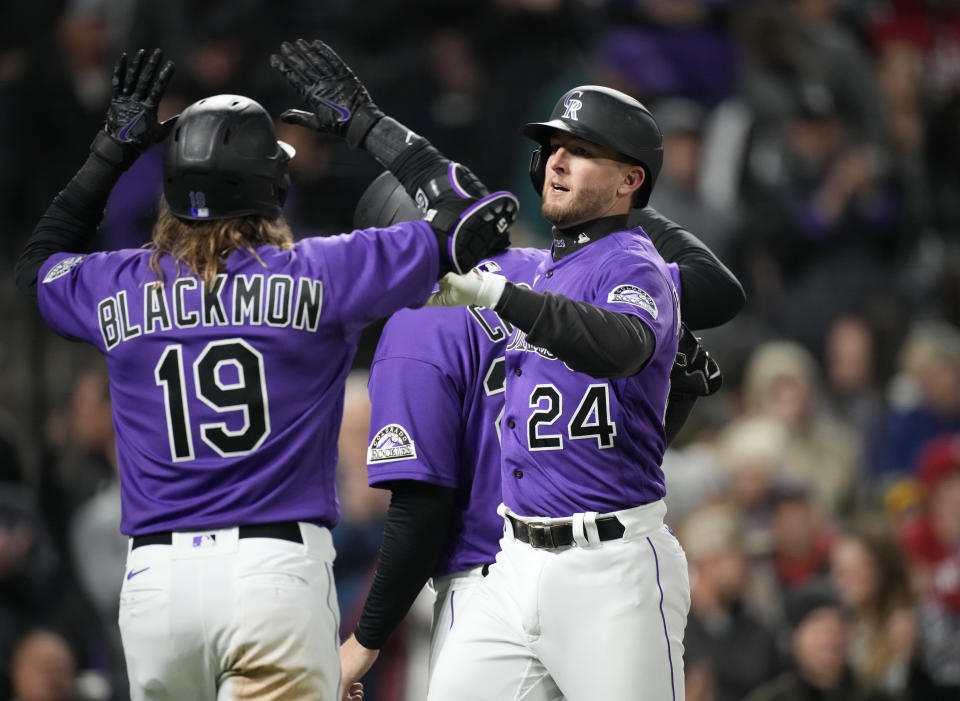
(600, 620)
(227, 618)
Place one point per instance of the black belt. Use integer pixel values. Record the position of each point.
(560, 535)
(285, 530)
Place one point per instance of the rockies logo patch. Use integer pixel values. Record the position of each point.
(631, 294)
(62, 268)
(392, 443)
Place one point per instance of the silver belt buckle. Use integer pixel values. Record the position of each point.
(541, 535)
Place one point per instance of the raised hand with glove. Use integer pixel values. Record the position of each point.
(132, 125)
(339, 102)
(131, 128)
(470, 222)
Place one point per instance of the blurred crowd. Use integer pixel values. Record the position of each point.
(813, 144)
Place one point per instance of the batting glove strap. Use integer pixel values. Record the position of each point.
(112, 151)
(474, 228)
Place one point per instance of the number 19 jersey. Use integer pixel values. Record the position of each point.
(227, 401)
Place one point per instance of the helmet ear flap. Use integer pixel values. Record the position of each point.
(538, 170)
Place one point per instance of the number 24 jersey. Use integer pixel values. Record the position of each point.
(574, 443)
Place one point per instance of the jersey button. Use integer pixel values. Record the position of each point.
(518, 474)
(511, 424)
(518, 372)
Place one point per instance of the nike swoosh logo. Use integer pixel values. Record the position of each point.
(342, 111)
(123, 132)
(134, 573)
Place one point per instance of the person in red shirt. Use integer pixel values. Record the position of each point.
(932, 540)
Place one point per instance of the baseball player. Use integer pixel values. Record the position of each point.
(437, 391)
(589, 594)
(227, 346)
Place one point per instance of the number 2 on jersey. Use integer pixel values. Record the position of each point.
(248, 395)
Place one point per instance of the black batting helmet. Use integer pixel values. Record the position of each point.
(223, 160)
(607, 117)
(384, 203)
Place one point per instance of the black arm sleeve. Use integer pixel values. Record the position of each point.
(679, 406)
(70, 221)
(589, 339)
(711, 295)
(416, 530)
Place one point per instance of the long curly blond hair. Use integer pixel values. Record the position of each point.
(204, 246)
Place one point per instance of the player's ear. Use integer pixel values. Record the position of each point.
(633, 178)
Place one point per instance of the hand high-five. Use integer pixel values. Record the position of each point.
(132, 116)
(341, 104)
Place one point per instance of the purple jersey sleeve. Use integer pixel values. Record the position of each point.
(641, 287)
(415, 420)
(369, 270)
(66, 299)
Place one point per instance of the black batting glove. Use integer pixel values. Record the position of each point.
(694, 374)
(339, 102)
(694, 371)
(472, 223)
(132, 126)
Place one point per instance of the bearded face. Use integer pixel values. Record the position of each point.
(585, 181)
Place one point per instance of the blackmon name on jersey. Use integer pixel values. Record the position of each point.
(274, 300)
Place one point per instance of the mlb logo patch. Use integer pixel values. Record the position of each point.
(207, 540)
(392, 443)
(631, 294)
(198, 205)
(62, 268)
(489, 266)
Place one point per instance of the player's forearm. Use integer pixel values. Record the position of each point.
(711, 295)
(70, 221)
(589, 339)
(415, 532)
(413, 160)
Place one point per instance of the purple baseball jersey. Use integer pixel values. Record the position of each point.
(437, 387)
(227, 402)
(574, 443)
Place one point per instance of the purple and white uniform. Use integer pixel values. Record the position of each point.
(227, 406)
(601, 615)
(227, 403)
(573, 443)
(436, 386)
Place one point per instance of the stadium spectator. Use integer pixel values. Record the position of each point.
(726, 648)
(818, 639)
(781, 381)
(869, 571)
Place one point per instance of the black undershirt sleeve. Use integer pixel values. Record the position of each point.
(596, 341)
(416, 530)
(711, 295)
(70, 221)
